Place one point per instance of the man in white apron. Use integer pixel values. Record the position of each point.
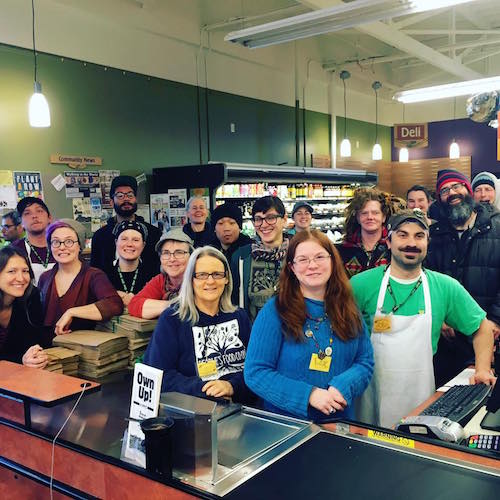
(35, 217)
(405, 307)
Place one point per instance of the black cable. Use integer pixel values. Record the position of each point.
(33, 26)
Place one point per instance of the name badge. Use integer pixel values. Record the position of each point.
(382, 324)
(320, 365)
(207, 368)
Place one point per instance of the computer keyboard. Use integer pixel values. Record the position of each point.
(459, 403)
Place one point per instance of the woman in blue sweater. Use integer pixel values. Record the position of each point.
(310, 354)
(200, 341)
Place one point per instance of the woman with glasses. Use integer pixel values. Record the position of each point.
(130, 272)
(74, 295)
(21, 332)
(174, 250)
(200, 341)
(309, 354)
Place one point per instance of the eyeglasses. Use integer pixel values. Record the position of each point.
(216, 275)
(177, 254)
(270, 220)
(67, 243)
(456, 187)
(121, 196)
(303, 262)
(8, 226)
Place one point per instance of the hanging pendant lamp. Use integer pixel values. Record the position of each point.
(377, 148)
(39, 113)
(345, 145)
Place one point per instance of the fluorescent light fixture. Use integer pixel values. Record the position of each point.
(331, 19)
(345, 148)
(449, 90)
(454, 150)
(403, 155)
(377, 152)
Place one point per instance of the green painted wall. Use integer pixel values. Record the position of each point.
(135, 122)
(362, 137)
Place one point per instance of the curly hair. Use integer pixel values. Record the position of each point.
(361, 197)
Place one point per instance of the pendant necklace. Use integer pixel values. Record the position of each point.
(309, 333)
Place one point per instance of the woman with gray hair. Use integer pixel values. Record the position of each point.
(200, 341)
(197, 227)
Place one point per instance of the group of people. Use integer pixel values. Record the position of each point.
(287, 320)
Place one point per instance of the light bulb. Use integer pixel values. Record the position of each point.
(403, 155)
(377, 152)
(454, 150)
(345, 148)
(39, 113)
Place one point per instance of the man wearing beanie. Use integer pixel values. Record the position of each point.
(465, 244)
(228, 220)
(486, 189)
(123, 194)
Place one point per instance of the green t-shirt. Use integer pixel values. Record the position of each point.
(451, 303)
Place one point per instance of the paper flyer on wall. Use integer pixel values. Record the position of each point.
(106, 177)
(177, 199)
(8, 195)
(95, 214)
(81, 210)
(82, 184)
(143, 211)
(28, 184)
(159, 211)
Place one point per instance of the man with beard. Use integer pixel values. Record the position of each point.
(465, 244)
(123, 194)
(35, 217)
(404, 307)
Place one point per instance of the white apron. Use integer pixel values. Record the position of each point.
(403, 376)
(38, 269)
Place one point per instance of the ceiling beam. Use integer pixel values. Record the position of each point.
(395, 38)
(446, 32)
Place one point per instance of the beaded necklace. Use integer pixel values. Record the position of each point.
(125, 289)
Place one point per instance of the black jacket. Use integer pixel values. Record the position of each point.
(25, 328)
(201, 238)
(473, 259)
(242, 240)
(104, 248)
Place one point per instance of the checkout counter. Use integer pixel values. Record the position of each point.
(227, 451)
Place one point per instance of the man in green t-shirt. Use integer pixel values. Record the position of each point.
(405, 308)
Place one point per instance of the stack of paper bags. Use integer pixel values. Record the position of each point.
(101, 353)
(62, 360)
(137, 330)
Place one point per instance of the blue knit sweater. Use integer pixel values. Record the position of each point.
(277, 369)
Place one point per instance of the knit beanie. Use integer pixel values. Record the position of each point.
(227, 210)
(448, 175)
(483, 178)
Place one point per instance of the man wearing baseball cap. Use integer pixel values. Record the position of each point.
(464, 244)
(123, 194)
(227, 221)
(35, 218)
(302, 217)
(404, 307)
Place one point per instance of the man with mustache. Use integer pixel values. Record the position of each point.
(465, 244)
(404, 307)
(123, 193)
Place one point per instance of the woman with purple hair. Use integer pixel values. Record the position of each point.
(73, 293)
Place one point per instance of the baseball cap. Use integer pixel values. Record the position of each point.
(404, 216)
(302, 204)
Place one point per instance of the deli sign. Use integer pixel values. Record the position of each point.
(411, 135)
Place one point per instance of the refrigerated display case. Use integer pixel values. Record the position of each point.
(328, 190)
